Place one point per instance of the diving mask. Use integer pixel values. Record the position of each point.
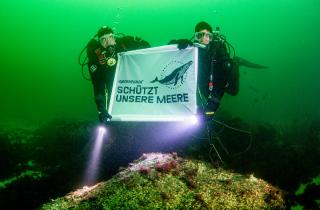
(107, 40)
(106, 37)
(200, 35)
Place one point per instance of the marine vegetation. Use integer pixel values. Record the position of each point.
(166, 181)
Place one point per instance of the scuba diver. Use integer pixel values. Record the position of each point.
(218, 69)
(214, 64)
(101, 54)
(101, 60)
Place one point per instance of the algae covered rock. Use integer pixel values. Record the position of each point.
(166, 181)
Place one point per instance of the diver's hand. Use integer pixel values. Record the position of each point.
(104, 117)
(212, 106)
(205, 115)
(183, 43)
(209, 112)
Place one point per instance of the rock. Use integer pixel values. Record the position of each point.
(166, 181)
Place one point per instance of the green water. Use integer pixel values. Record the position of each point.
(41, 40)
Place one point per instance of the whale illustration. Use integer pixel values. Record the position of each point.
(175, 76)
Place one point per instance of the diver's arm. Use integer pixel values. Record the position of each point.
(181, 43)
(173, 41)
(92, 57)
(127, 43)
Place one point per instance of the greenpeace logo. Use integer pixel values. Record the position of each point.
(130, 81)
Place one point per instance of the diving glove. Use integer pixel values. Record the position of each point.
(104, 117)
(183, 43)
(213, 104)
(209, 111)
(205, 115)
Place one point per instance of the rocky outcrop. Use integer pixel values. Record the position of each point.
(166, 181)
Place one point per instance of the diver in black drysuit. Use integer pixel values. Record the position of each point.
(102, 58)
(218, 73)
(214, 67)
(101, 64)
(213, 72)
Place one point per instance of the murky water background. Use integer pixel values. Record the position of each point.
(41, 40)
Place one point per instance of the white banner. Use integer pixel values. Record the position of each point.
(155, 84)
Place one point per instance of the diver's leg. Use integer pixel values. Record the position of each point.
(243, 62)
(100, 98)
(108, 85)
(99, 89)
